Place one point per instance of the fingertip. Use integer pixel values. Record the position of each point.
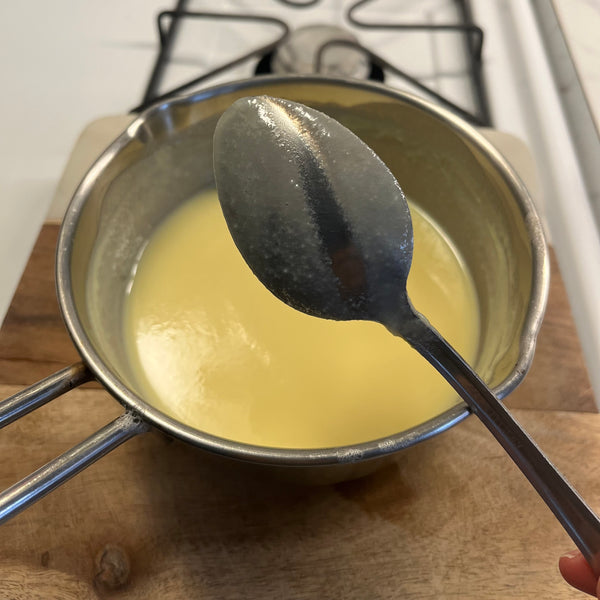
(577, 572)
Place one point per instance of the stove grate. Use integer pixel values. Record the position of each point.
(168, 22)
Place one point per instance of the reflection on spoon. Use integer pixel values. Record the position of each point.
(324, 225)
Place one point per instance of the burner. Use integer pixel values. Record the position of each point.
(323, 49)
(334, 51)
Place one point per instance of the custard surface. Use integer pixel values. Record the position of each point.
(212, 347)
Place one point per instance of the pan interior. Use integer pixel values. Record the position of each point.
(166, 157)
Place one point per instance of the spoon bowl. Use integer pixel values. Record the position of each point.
(301, 195)
(304, 234)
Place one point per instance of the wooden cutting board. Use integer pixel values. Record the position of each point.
(451, 518)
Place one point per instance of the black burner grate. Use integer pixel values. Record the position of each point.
(169, 21)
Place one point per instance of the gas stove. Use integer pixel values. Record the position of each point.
(431, 47)
(483, 59)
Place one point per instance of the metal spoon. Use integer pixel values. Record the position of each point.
(324, 225)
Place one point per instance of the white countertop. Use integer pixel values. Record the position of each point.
(571, 32)
(60, 62)
(580, 23)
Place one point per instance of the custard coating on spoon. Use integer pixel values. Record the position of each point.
(309, 206)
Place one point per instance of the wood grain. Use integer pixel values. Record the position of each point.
(558, 379)
(451, 518)
(33, 340)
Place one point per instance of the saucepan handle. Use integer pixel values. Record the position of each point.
(57, 471)
(43, 391)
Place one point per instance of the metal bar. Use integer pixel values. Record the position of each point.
(473, 39)
(50, 476)
(166, 45)
(474, 36)
(475, 53)
(299, 4)
(384, 64)
(42, 392)
(218, 16)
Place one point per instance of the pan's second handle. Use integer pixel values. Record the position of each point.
(44, 480)
(43, 391)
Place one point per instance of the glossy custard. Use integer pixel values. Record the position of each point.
(212, 347)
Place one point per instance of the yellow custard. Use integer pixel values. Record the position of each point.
(212, 347)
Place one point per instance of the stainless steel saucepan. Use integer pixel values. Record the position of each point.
(165, 156)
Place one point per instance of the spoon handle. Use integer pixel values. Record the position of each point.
(576, 517)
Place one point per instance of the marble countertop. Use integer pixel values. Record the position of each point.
(580, 24)
(570, 31)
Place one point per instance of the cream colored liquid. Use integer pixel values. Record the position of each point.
(215, 349)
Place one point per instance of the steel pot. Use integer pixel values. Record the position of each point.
(165, 156)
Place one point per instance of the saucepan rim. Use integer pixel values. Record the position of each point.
(287, 456)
